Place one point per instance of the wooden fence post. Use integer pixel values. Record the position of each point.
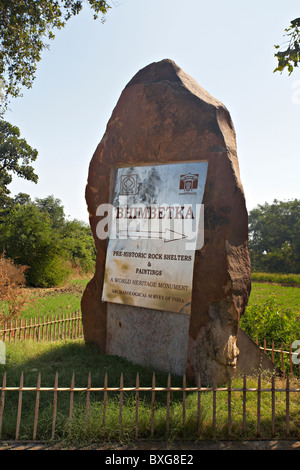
(282, 363)
(287, 395)
(199, 405)
(152, 404)
(214, 406)
(121, 405)
(137, 386)
(244, 427)
(104, 401)
(229, 405)
(19, 406)
(183, 398)
(71, 398)
(37, 402)
(291, 362)
(273, 404)
(168, 404)
(258, 405)
(9, 332)
(2, 401)
(54, 405)
(88, 393)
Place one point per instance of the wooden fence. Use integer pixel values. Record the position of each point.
(49, 328)
(105, 390)
(293, 365)
(69, 326)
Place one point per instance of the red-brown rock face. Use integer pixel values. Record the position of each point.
(164, 116)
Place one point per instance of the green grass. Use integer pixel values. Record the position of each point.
(286, 297)
(67, 357)
(273, 315)
(55, 301)
(51, 301)
(53, 304)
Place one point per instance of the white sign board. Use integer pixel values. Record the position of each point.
(155, 227)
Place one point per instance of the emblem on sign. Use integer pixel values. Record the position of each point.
(188, 182)
(128, 185)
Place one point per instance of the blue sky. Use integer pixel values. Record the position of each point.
(227, 47)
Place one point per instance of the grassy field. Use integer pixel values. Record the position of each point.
(67, 357)
(67, 299)
(285, 296)
(56, 300)
(275, 278)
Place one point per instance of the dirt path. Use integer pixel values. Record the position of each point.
(42, 292)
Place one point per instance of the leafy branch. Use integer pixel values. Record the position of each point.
(25, 28)
(290, 56)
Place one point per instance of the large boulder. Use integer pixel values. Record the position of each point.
(164, 116)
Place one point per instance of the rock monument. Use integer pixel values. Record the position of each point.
(169, 148)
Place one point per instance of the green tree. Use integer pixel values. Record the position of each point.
(16, 157)
(289, 56)
(25, 28)
(274, 237)
(37, 234)
(53, 207)
(75, 235)
(79, 243)
(21, 199)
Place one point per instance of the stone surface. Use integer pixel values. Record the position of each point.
(251, 359)
(156, 339)
(164, 116)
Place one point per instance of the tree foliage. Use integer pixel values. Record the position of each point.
(289, 56)
(28, 239)
(25, 28)
(16, 157)
(274, 237)
(53, 209)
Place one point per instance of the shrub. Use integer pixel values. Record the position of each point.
(269, 321)
(49, 272)
(12, 297)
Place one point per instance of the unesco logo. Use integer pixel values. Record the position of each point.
(128, 185)
(188, 183)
